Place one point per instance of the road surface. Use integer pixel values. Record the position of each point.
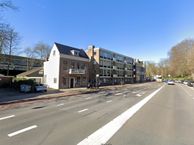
(145, 114)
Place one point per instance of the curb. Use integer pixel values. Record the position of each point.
(45, 98)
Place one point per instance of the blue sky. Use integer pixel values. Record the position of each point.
(144, 29)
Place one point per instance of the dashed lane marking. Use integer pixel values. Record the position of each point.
(6, 117)
(138, 95)
(60, 104)
(109, 101)
(80, 111)
(118, 94)
(22, 130)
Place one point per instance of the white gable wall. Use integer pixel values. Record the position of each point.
(51, 69)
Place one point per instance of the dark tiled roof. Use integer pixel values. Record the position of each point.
(63, 49)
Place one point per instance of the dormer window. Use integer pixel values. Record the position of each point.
(75, 52)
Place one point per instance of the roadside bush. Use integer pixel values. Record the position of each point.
(22, 81)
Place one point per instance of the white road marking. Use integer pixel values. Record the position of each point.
(22, 130)
(6, 117)
(138, 95)
(102, 135)
(185, 90)
(109, 101)
(82, 110)
(60, 104)
(88, 98)
(134, 92)
(118, 94)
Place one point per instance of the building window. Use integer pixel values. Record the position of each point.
(55, 80)
(64, 81)
(72, 65)
(83, 66)
(54, 53)
(65, 65)
(78, 81)
(75, 52)
(101, 72)
(84, 80)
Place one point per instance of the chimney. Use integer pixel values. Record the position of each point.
(91, 49)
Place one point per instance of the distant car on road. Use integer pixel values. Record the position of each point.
(40, 88)
(170, 82)
(190, 83)
(185, 82)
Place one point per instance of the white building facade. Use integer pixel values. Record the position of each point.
(67, 67)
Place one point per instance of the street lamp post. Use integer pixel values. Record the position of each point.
(97, 79)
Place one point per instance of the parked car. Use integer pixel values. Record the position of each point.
(25, 88)
(189, 84)
(185, 82)
(180, 82)
(40, 88)
(170, 82)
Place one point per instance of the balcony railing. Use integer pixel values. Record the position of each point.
(114, 59)
(77, 71)
(114, 67)
(115, 75)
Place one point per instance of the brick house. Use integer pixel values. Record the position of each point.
(67, 67)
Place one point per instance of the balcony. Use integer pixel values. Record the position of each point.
(77, 71)
(115, 75)
(114, 67)
(114, 59)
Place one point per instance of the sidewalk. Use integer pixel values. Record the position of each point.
(10, 96)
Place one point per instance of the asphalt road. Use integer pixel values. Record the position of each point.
(168, 119)
(118, 117)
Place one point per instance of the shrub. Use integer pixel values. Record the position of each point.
(20, 81)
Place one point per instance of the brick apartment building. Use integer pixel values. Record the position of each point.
(139, 75)
(67, 67)
(110, 67)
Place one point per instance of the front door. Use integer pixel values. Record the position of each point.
(71, 83)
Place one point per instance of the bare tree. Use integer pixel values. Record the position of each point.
(30, 57)
(163, 68)
(4, 29)
(7, 4)
(151, 69)
(12, 40)
(42, 50)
